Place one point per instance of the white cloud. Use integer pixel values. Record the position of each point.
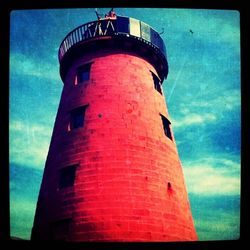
(226, 101)
(191, 119)
(29, 144)
(24, 65)
(34, 128)
(213, 176)
(199, 111)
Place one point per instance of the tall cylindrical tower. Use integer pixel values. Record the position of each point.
(113, 172)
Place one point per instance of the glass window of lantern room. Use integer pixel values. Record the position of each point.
(166, 126)
(145, 31)
(83, 73)
(134, 26)
(122, 24)
(155, 38)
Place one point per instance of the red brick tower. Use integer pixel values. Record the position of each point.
(113, 172)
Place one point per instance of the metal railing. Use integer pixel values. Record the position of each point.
(123, 26)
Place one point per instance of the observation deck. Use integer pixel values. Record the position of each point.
(119, 33)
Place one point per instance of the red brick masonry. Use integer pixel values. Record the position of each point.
(129, 184)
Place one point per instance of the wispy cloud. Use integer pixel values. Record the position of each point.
(29, 144)
(213, 176)
(200, 111)
(227, 100)
(28, 66)
(192, 119)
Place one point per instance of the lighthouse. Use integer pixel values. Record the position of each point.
(113, 172)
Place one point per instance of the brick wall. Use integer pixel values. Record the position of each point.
(129, 184)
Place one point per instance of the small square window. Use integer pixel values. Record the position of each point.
(83, 73)
(60, 229)
(77, 117)
(67, 176)
(166, 126)
(157, 83)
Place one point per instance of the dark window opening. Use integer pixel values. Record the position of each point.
(166, 126)
(157, 83)
(67, 176)
(83, 73)
(60, 230)
(122, 24)
(77, 117)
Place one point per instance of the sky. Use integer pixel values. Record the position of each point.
(203, 95)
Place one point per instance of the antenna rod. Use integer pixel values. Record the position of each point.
(98, 16)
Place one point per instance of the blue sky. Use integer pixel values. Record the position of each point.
(202, 93)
